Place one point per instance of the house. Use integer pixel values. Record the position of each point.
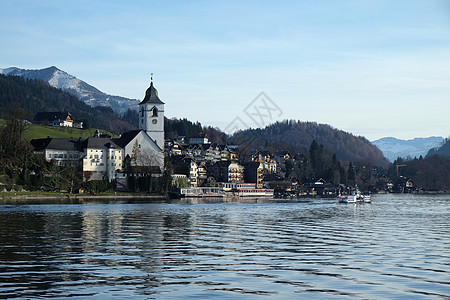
(102, 159)
(227, 171)
(201, 139)
(173, 148)
(264, 157)
(57, 119)
(60, 151)
(209, 152)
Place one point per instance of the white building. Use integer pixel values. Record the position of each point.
(62, 152)
(102, 158)
(203, 139)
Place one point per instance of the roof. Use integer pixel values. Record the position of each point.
(126, 138)
(100, 143)
(58, 144)
(151, 96)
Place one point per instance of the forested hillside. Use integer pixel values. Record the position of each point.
(35, 96)
(429, 174)
(296, 137)
(444, 149)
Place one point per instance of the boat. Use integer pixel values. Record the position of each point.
(348, 199)
(245, 190)
(201, 192)
(225, 190)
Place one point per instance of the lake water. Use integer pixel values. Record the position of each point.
(397, 247)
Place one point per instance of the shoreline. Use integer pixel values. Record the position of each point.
(77, 197)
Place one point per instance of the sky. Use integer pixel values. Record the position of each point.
(372, 68)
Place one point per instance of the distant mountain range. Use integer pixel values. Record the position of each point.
(394, 148)
(80, 89)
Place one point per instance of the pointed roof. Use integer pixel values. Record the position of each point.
(151, 96)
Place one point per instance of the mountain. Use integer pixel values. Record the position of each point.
(80, 89)
(443, 149)
(296, 137)
(393, 148)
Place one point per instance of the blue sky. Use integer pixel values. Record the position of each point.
(372, 68)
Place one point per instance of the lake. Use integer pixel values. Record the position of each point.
(397, 247)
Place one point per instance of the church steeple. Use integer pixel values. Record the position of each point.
(151, 115)
(151, 95)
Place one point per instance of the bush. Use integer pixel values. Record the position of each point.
(98, 186)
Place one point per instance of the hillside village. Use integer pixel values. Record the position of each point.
(146, 160)
(140, 155)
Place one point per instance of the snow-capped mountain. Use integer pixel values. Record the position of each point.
(393, 148)
(69, 83)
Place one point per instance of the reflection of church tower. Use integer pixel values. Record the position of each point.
(151, 115)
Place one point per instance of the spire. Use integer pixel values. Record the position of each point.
(151, 95)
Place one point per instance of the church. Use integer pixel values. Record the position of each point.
(145, 147)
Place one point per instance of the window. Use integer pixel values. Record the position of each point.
(154, 111)
(49, 155)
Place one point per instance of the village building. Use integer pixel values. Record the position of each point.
(60, 151)
(264, 157)
(102, 159)
(228, 171)
(173, 148)
(209, 152)
(57, 119)
(201, 139)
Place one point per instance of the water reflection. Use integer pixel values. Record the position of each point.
(312, 248)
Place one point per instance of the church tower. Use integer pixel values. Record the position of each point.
(151, 115)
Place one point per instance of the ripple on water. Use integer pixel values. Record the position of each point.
(396, 247)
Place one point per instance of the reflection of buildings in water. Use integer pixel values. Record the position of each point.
(130, 238)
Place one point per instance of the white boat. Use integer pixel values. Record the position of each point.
(255, 193)
(348, 199)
